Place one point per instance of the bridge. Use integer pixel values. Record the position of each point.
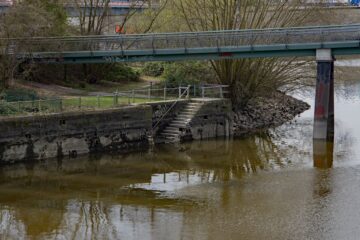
(322, 43)
(115, 8)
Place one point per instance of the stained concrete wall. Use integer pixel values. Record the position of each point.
(40, 137)
(213, 120)
(114, 130)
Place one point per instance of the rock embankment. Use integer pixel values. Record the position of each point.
(262, 113)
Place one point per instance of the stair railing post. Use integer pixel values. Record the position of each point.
(164, 93)
(179, 92)
(221, 92)
(188, 92)
(202, 92)
(61, 105)
(150, 90)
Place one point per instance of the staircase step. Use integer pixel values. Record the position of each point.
(177, 121)
(177, 125)
(171, 134)
(186, 114)
(189, 111)
(183, 119)
(193, 106)
(167, 136)
(172, 128)
(172, 131)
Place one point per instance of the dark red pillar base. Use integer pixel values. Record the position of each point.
(324, 101)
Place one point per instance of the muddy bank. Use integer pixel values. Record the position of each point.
(262, 113)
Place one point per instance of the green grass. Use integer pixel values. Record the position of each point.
(102, 102)
(68, 104)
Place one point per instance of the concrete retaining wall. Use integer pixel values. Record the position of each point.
(114, 130)
(40, 137)
(213, 120)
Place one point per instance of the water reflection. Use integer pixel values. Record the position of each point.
(112, 196)
(261, 187)
(323, 152)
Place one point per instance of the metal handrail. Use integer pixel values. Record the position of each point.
(220, 87)
(156, 41)
(171, 107)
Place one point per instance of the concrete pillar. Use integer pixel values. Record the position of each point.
(324, 98)
(323, 153)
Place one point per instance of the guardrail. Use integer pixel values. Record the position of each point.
(186, 40)
(107, 101)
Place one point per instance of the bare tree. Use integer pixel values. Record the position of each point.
(24, 20)
(92, 14)
(248, 78)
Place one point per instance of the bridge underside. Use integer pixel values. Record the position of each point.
(256, 51)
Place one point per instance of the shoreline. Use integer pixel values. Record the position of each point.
(263, 113)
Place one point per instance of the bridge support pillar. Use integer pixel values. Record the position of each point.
(324, 98)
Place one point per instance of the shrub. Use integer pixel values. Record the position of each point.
(122, 73)
(153, 69)
(188, 73)
(19, 94)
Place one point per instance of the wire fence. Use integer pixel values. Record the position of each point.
(114, 100)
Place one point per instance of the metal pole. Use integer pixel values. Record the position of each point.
(202, 91)
(188, 92)
(164, 93)
(61, 105)
(194, 90)
(151, 85)
(179, 92)
(221, 92)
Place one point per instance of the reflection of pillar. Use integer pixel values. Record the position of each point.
(323, 153)
(324, 99)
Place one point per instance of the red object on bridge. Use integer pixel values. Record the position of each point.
(120, 29)
(226, 54)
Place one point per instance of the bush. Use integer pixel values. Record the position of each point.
(122, 73)
(188, 73)
(153, 69)
(19, 94)
(6, 110)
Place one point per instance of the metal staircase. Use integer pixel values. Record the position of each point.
(172, 133)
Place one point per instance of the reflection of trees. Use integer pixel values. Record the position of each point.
(74, 197)
(104, 196)
(222, 160)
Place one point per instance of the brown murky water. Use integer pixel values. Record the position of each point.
(262, 187)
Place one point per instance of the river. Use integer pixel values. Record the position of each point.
(269, 186)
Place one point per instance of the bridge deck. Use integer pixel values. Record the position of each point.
(286, 42)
